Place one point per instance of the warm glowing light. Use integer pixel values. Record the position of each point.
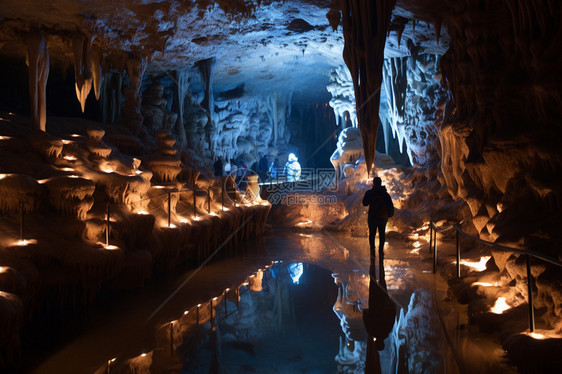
(198, 305)
(415, 251)
(543, 334)
(24, 242)
(417, 244)
(143, 355)
(111, 247)
(2, 269)
(245, 284)
(480, 265)
(485, 284)
(75, 135)
(172, 226)
(184, 220)
(107, 168)
(215, 298)
(137, 172)
(228, 289)
(500, 306)
(213, 214)
(12, 114)
(237, 205)
(143, 212)
(159, 187)
(70, 158)
(66, 141)
(305, 235)
(73, 176)
(265, 203)
(68, 169)
(4, 137)
(186, 312)
(2, 176)
(304, 223)
(196, 218)
(225, 209)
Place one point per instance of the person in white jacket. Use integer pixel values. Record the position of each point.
(292, 168)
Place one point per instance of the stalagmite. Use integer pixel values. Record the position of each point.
(365, 25)
(38, 62)
(82, 68)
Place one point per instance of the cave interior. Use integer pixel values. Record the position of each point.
(138, 139)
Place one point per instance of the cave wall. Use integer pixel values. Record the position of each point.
(499, 137)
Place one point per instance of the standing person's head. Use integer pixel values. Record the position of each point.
(377, 182)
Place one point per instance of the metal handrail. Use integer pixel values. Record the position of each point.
(527, 252)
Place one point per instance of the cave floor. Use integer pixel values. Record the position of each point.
(123, 325)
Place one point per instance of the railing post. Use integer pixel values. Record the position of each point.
(194, 204)
(212, 310)
(458, 255)
(225, 304)
(172, 338)
(209, 200)
(237, 297)
(21, 219)
(434, 251)
(197, 332)
(107, 225)
(530, 296)
(430, 237)
(169, 207)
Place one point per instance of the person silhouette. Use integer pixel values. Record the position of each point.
(380, 209)
(292, 168)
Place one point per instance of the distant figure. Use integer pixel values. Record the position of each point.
(292, 168)
(227, 167)
(271, 168)
(233, 168)
(218, 167)
(263, 166)
(380, 209)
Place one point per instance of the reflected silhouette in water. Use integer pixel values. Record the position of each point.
(378, 318)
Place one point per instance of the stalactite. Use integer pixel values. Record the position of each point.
(365, 25)
(97, 56)
(206, 70)
(111, 96)
(38, 63)
(181, 88)
(133, 117)
(82, 68)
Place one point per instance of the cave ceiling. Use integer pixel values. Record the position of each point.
(268, 46)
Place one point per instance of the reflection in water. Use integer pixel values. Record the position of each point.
(378, 318)
(285, 327)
